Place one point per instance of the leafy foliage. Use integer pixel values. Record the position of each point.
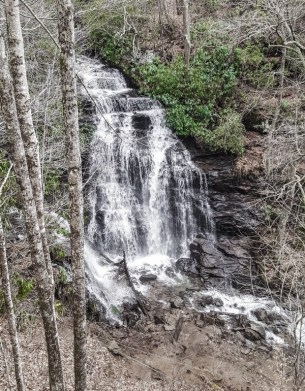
(24, 287)
(254, 67)
(194, 99)
(62, 276)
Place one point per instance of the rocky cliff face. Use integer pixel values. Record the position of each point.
(235, 196)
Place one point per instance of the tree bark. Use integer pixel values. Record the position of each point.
(187, 34)
(70, 111)
(45, 292)
(23, 104)
(6, 286)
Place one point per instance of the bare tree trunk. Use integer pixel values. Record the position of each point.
(187, 34)
(70, 110)
(6, 286)
(23, 104)
(280, 90)
(45, 292)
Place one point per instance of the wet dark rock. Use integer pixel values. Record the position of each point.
(233, 201)
(252, 335)
(212, 319)
(233, 248)
(131, 313)
(147, 278)
(141, 123)
(96, 311)
(159, 319)
(207, 300)
(218, 302)
(255, 332)
(260, 314)
(274, 318)
(188, 267)
(177, 303)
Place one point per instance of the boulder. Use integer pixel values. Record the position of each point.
(218, 302)
(114, 348)
(177, 303)
(261, 314)
(255, 332)
(207, 300)
(258, 329)
(147, 278)
(188, 266)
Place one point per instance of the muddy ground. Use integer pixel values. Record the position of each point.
(147, 357)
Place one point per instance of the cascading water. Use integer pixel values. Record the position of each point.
(146, 197)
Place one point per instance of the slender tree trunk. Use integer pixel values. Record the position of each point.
(23, 104)
(45, 292)
(187, 34)
(280, 90)
(6, 286)
(70, 110)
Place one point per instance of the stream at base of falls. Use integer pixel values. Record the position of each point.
(147, 198)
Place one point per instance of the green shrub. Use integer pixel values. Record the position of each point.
(62, 276)
(52, 183)
(24, 286)
(193, 99)
(196, 100)
(109, 36)
(254, 67)
(57, 252)
(228, 135)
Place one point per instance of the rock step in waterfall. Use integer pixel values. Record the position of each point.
(146, 197)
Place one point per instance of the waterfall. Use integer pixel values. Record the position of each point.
(146, 195)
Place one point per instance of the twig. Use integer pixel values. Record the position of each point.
(5, 179)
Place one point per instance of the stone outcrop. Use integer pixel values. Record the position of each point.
(235, 190)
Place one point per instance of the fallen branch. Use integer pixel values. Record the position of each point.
(178, 329)
(131, 284)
